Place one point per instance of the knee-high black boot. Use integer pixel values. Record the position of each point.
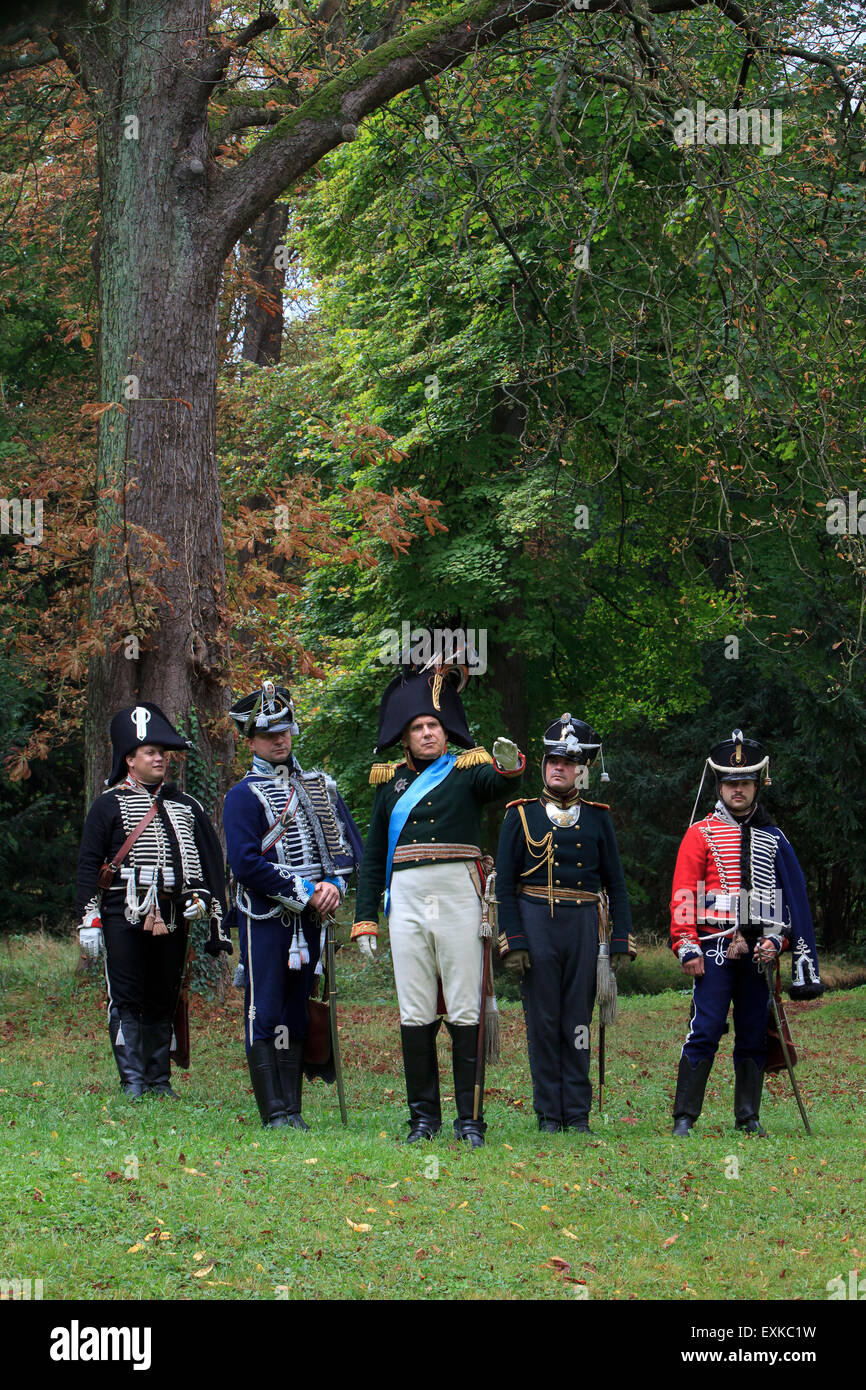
(748, 1084)
(127, 1044)
(157, 1058)
(291, 1081)
(421, 1069)
(262, 1062)
(464, 1052)
(689, 1098)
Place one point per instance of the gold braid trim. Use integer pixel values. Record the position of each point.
(473, 757)
(542, 852)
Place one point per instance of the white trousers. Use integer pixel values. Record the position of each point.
(433, 925)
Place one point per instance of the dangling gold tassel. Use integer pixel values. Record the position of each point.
(148, 922)
(491, 1030)
(738, 947)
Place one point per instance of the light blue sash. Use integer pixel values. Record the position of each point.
(424, 783)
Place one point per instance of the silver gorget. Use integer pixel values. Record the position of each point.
(563, 816)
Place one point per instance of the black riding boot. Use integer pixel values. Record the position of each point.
(125, 1031)
(291, 1081)
(464, 1052)
(421, 1068)
(262, 1062)
(748, 1084)
(157, 1059)
(689, 1098)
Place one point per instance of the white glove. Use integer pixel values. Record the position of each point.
(367, 944)
(195, 909)
(90, 939)
(506, 754)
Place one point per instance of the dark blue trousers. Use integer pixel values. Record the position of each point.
(275, 997)
(558, 997)
(725, 982)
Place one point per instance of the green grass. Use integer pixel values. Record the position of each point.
(89, 1183)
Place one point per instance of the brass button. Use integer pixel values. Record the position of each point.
(580, 863)
(556, 863)
(432, 837)
(558, 884)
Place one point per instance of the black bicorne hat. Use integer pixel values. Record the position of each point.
(269, 710)
(415, 692)
(572, 739)
(136, 727)
(738, 759)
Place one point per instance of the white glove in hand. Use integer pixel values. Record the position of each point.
(506, 754)
(368, 946)
(195, 909)
(90, 940)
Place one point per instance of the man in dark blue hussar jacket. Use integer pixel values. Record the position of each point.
(291, 845)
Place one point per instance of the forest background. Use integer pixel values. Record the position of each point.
(506, 357)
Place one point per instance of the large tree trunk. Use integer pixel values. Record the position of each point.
(159, 281)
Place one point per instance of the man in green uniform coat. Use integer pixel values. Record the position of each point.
(423, 850)
(556, 853)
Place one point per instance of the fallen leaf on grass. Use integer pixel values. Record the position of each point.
(556, 1262)
(133, 1249)
(358, 1225)
(670, 1240)
(518, 1225)
(311, 1160)
(570, 1234)
(205, 1269)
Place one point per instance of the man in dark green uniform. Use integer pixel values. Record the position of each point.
(556, 853)
(423, 849)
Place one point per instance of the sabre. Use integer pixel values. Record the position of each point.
(601, 1031)
(332, 1019)
(785, 1053)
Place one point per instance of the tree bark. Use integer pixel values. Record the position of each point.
(159, 282)
(263, 318)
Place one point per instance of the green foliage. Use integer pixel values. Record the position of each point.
(39, 819)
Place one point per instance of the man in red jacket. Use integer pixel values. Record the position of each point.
(738, 900)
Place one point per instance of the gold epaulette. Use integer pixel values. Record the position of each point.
(383, 772)
(473, 757)
(521, 801)
(602, 805)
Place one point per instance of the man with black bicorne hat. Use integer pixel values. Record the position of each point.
(292, 846)
(739, 897)
(150, 865)
(424, 851)
(557, 856)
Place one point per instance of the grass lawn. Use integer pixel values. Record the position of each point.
(195, 1200)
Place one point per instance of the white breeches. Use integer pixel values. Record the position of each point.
(433, 923)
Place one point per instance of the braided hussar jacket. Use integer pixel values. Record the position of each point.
(179, 850)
